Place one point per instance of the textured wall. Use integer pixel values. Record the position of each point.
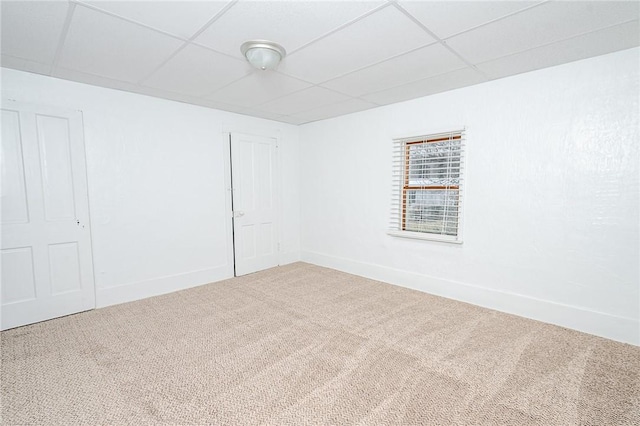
(551, 211)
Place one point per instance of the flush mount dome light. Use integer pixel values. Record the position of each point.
(263, 54)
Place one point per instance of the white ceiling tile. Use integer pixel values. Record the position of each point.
(446, 18)
(292, 120)
(304, 100)
(143, 90)
(197, 71)
(429, 86)
(547, 23)
(182, 18)
(220, 106)
(270, 116)
(284, 119)
(267, 115)
(334, 110)
(96, 80)
(258, 88)
(425, 62)
(289, 23)
(383, 34)
(7, 61)
(596, 43)
(31, 29)
(110, 47)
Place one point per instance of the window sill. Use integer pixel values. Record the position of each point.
(425, 236)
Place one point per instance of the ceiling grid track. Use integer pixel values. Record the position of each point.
(123, 18)
(190, 40)
(439, 40)
(341, 27)
(493, 21)
(63, 37)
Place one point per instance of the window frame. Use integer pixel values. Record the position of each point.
(401, 185)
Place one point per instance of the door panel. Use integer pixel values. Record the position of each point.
(14, 192)
(265, 240)
(246, 246)
(18, 281)
(47, 268)
(57, 175)
(64, 268)
(254, 168)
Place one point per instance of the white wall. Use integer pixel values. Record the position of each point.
(160, 214)
(552, 208)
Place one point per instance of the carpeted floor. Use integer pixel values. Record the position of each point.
(300, 345)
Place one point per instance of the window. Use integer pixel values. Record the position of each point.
(427, 187)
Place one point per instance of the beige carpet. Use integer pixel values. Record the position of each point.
(301, 345)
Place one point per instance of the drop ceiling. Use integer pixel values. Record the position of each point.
(343, 56)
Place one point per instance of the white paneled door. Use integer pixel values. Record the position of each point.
(47, 268)
(255, 225)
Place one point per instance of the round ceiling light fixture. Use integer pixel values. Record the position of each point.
(263, 54)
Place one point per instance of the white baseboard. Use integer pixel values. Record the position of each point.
(142, 289)
(612, 327)
(289, 257)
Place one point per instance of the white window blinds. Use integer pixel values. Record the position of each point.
(427, 186)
